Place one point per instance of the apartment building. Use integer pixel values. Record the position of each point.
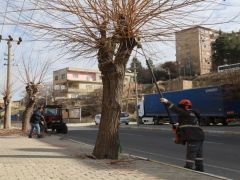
(78, 83)
(193, 50)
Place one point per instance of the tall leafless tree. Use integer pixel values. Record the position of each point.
(33, 77)
(6, 95)
(6, 104)
(110, 30)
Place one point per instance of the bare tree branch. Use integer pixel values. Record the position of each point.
(76, 25)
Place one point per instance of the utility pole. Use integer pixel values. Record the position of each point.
(129, 88)
(136, 88)
(46, 96)
(8, 98)
(9, 83)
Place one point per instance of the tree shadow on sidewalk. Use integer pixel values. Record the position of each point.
(34, 156)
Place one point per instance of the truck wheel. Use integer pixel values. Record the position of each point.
(58, 130)
(156, 122)
(224, 122)
(140, 121)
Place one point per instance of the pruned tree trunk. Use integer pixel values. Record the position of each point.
(108, 143)
(27, 115)
(32, 90)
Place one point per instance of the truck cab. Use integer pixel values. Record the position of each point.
(145, 118)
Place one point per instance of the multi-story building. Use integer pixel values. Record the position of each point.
(77, 83)
(193, 50)
(1, 103)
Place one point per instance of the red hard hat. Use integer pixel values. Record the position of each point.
(185, 102)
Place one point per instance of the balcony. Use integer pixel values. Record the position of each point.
(74, 90)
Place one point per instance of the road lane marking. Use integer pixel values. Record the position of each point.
(155, 154)
(169, 157)
(131, 134)
(224, 168)
(211, 142)
(76, 139)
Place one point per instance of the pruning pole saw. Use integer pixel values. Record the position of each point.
(174, 128)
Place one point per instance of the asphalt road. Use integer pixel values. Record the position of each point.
(221, 151)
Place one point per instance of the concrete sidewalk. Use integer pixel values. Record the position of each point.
(57, 158)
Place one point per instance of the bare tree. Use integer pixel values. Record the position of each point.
(6, 95)
(110, 30)
(6, 103)
(46, 93)
(33, 77)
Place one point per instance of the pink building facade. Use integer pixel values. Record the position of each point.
(78, 83)
(75, 83)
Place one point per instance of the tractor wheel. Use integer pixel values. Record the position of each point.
(64, 129)
(58, 130)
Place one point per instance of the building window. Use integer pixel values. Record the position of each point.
(75, 75)
(62, 87)
(63, 76)
(211, 36)
(56, 78)
(89, 86)
(89, 78)
(73, 95)
(56, 87)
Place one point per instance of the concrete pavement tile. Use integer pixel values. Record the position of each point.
(53, 158)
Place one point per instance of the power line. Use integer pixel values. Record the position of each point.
(19, 17)
(5, 15)
(31, 16)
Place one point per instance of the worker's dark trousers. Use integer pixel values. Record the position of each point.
(195, 155)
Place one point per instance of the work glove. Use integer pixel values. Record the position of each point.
(163, 100)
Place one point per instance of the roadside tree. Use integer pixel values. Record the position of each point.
(32, 75)
(171, 68)
(6, 95)
(6, 104)
(226, 49)
(109, 30)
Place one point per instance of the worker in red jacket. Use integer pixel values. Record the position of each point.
(189, 132)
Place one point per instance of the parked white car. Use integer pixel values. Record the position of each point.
(123, 118)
